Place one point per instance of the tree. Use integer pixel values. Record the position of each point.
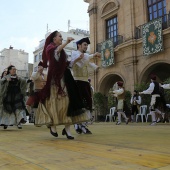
(99, 102)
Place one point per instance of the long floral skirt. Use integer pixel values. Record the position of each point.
(54, 111)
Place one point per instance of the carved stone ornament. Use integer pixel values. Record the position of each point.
(109, 7)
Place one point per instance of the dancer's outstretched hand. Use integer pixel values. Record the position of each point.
(98, 55)
(69, 39)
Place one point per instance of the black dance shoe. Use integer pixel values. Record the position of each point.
(88, 131)
(5, 126)
(79, 131)
(55, 134)
(65, 133)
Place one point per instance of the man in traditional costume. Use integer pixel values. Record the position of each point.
(120, 94)
(39, 80)
(154, 90)
(12, 104)
(80, 69)
(135, 102)
(60, 103)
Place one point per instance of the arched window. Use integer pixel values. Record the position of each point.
(156, 9)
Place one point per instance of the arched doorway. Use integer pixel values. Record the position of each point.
(161, 70)
(107, 82)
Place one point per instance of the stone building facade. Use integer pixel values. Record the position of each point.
(125, 18)
(18, 58)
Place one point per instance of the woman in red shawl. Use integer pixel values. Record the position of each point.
(58, 105)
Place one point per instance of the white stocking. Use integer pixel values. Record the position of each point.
(28, 108)
(76, 126)
(124, 115)
(67, 128)
(119, 116)
(158, 111)
(83, 125)
(153, 116)
(53, 128)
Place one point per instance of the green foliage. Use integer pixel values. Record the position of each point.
(111, 101)
(128, 97)
(99, 102)
(145, 97)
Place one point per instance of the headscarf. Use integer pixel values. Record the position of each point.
(47, 42)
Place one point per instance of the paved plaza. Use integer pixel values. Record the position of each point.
(136, 146)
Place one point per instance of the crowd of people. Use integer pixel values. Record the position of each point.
(157, 106)
(63, 96)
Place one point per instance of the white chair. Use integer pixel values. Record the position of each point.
(142, 112)
(149, 114)
(111, 114)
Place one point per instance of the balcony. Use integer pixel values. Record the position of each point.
(118, 38)
(165, 25)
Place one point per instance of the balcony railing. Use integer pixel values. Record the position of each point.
(165, 24)
(118, 38)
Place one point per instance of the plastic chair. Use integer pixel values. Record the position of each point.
(111, 114)
(142, 112)
(149, 114)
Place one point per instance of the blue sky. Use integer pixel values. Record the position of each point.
(23, 23)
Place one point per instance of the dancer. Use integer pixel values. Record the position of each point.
(39, 80)
(60, 104)
(12, 93)
(120, 94)
(80, 69)
(135, 102)
(155, 99)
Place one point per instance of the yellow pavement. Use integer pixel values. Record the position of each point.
(135, 146)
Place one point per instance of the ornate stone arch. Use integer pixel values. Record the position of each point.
(158, 62)
(107, 81)
(109, 6)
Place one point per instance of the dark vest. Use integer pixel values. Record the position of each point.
(156, 88)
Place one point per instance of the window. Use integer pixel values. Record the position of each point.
(112, 29)
(36, 58)
(40, 56)
(156, 9)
